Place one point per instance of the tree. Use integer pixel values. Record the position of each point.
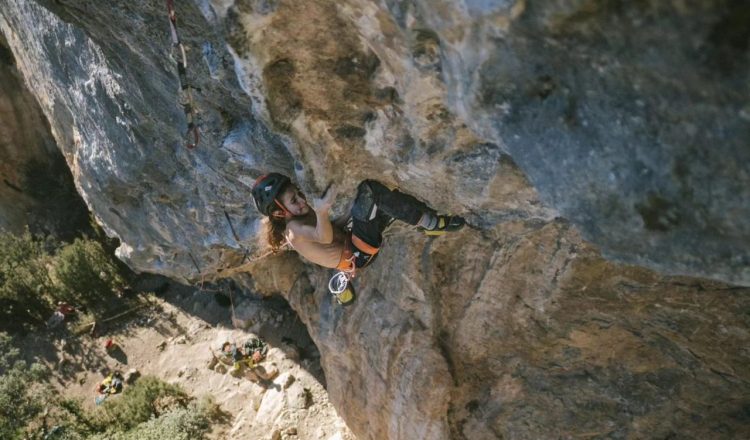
(24, 280)
(20, 390)
(83, 273)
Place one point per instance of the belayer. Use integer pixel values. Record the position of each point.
(308, 229)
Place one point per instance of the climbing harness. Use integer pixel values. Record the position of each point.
(189, 105)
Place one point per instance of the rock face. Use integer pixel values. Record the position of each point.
(533, 337)
(36, 189)
(115, 112)
(564, 131)
(633, 120)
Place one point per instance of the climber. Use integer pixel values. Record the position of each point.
(112, 384)
(255, 349)
(61, 313)
(310, 232)
(231, 351)
(65, 309)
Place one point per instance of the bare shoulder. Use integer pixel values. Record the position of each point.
(297, 229)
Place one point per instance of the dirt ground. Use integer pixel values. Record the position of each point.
(172, 338)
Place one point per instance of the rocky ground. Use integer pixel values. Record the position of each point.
(172, 339)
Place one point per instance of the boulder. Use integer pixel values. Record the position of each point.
(131, 376)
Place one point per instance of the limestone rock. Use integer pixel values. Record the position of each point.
(289, 381)
(290, 351)
(631, 121)
(565, 131)
(36, 187)
(248, 313)
(212, 362)
(132, 375)
(262, 373)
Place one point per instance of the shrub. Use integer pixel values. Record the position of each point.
(21, 393)
(8, 353)
(148, 410)
(36, 272)
(148, 397)
(69, 421)
(179, 424)
(24, 281)
(18, 405)
(84, 273)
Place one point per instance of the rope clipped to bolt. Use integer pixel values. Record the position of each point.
(189, 105)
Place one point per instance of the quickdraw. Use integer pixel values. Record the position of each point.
(189, 105)
(341, 288)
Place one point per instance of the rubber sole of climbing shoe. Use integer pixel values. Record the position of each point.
(446, 224)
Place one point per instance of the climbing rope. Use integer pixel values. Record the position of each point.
(226, 271)
(189, 105)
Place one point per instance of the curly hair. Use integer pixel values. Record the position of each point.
(275, 233)
(276, 227)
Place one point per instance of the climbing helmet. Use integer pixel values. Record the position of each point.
(266, 189)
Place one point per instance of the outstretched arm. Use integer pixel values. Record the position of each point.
(322, 232)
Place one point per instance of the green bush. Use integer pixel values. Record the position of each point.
(69, 421)
(21, 391)
(23, 261)
(36, 272)
(8, 353)
(147, 398)
(148, 410)
(24, 279)
(18, 405)
(84, 273)
(179, 424)
(153, 409)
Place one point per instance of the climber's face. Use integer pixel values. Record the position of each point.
(294, 201)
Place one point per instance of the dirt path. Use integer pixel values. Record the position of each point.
(172, 340)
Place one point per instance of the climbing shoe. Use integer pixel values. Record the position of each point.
(446, 223)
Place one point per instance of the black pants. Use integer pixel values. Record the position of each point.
(375, 208)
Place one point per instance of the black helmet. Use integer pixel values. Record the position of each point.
(265, 190)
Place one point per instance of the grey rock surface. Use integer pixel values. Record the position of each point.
(557, 130)
(112, 97)
(630, 118)
(36, 188)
